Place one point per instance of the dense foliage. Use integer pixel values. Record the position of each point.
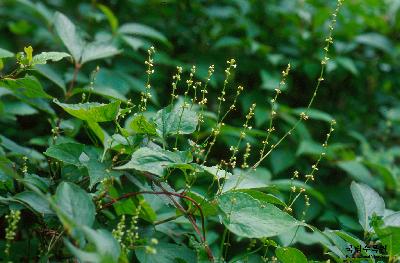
(198, 131)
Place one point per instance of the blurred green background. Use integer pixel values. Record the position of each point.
(360, 89)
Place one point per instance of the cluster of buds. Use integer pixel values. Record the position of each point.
(189, 82)
(303, 116)
(149, 61)
(150, 249)
(215, 131)
(309, 177)
(204, 91)
(24, 168)
(246, 156)
(285, 74)
(210, 72)
(119, 232)
(222, 97)
(203, 101)
(175, 80)
(132, 234)
(250, 114)
(197, 149)
(295, 175)
(238, 91)
(12, 224)
(307, 200)
(146, 95)
(55, 132)
(231, 64)
(195, 87)
(242, 135)
(329, 39)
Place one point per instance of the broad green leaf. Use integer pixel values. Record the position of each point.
(6, 54)
(84, 256)
(375, 40)
(142, 30)
(7, 173)
(338, 245)
(103, 247)
(392, 219)
(309, 147)
(129, 206)
(98, 50)
(66, 30)
(348, 64)
(302, 236)
(19, 108)
(37, 202)
(386, 172)
(83, 156)
(52, 75)
(358, 171)
(92, 111)
(227, 41)
(134, 42)
(263, 197)
(104, 242)
(170, 121)
(167, 253)
(123, 207)
(37, 9)
(354, 241)
(112, 19)
(368, 202)
(100, 133)
(97, 169)
(270, 81)
(141, 125)
(155, 161)
(27, 86)
(75, 203)
(208, 207)
(20, 150)
(108, 93)
(117, 80)
(248, 179)
(147, 212)
(41, 183)
(389, 236)
(247, 217)
(282, 159)
(66, 152)
(290, 255)
(43, 57)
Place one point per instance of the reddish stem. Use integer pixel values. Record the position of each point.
(191, 219)
(74, 77)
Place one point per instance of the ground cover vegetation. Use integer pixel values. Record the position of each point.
(199, 131)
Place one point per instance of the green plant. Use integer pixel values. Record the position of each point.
(107, 174)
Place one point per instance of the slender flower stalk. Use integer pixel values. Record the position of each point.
(273, 113)
(304, 115)
(146, 95)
